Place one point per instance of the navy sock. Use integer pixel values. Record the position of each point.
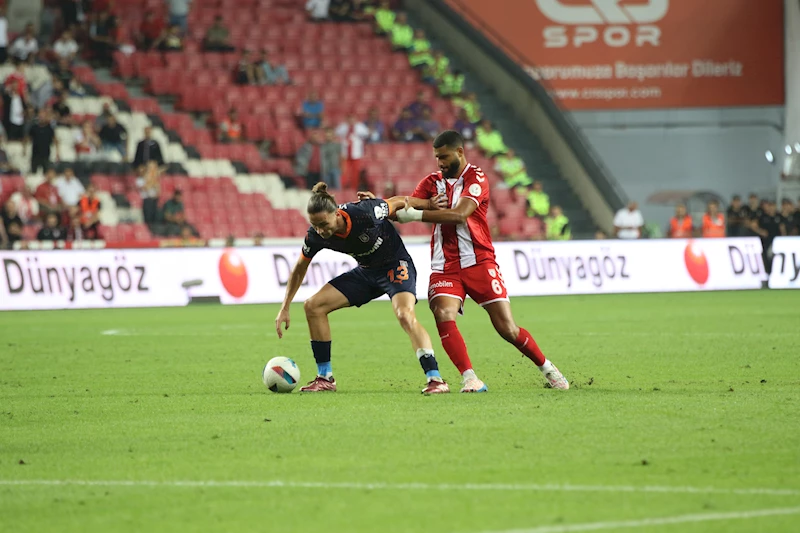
(428, 362)
(322, 355)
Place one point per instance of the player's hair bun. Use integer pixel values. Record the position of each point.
(320, 188)
(321, 200)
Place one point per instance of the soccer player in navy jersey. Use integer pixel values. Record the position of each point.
(363, 231)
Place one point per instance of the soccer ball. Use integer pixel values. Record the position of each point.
(281, 374)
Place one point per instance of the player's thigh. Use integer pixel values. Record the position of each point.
(326, 300)
(398, 278)
(446, 296)
(356, 287)
(484, 284)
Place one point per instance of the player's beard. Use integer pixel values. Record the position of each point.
(452, 170)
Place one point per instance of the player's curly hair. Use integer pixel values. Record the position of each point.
(321, 201)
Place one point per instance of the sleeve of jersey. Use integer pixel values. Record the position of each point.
(377, 209)
(476, 187)
(310, 248)
(423, 189)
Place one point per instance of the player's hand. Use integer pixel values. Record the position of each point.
(283, 318)
(438, 202)
(365, 195)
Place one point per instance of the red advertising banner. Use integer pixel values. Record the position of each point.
(642, 54)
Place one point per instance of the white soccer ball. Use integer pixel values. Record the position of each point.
(281, 374)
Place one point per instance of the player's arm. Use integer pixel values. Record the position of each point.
(457, 215)
(295, 280)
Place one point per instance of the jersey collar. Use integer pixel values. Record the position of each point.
(348, 224)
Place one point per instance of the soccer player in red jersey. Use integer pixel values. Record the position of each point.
(463, 260)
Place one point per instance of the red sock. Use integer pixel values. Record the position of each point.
(453, 344)
(528, 347)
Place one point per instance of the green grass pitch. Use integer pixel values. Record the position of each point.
(163, 413)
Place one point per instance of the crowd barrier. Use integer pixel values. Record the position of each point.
(77, 279)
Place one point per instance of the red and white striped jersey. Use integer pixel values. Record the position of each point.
(454, 247)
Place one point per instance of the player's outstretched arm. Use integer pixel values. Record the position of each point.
(295, 280)
(457, 215)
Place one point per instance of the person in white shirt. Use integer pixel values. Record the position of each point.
(318, 9)
(628, 222)
(25, 45)
(3, 35)
(66, 47)
(353, 135)
(70, 189)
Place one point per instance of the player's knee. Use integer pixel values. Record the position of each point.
(508, 330)
(406, 317)
(312, 307)
(441, 314)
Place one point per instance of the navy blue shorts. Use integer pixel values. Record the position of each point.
(362, 285)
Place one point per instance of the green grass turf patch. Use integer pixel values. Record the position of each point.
(678, 390)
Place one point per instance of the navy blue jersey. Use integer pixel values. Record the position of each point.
(369, 238)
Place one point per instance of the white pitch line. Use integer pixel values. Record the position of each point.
(402, 486)
(645, 522)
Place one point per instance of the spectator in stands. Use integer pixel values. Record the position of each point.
(41, 137)
(70, 189)
(149, 185)
(3, 35)
(181, 227)
(12, 224)
(557, 225)
(464, 126)
(713, 221)
(61, 111)
(40, 85)
(313, 109)
(25, 44)
(403, 129)
(331, 164)
(308, 160)
(628, 222)
(768, 226)
(419, 106)
(103, 117)
(15, 98)
(402, 35)
(47, 195)
(426, 127)
(513, 171)
(469, 103)
(434, 73)
(51, 231)
(245, 73)
(87, 142)
(150, 30)
(71, 12)
(452, 83)
(114, 137)
(27, 206)
(171, 209)
(376, 127)
(681, 225)
(538, 201)
(600, 235)
(753, 209)
(230, 129)
(343, 11)
(420, 56)
(179, 13)
(352, 134)
(268, 73)
(5, 164)
(230, 240)
(384, 18)
(737, 217)
(63, 72)
(66, 47)
(258, 239)
(791, 217)
(148, 149)
(318, 10)
(170, 40)
(217, 35)
(490, 141)
(102, 36)
(89, 212)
